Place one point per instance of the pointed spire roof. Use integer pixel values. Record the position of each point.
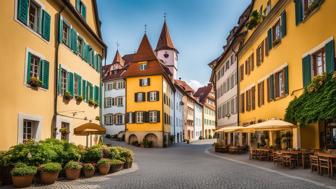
(145, 51)
(165, 41)
(118, 59)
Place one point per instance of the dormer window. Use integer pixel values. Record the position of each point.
(143, 66)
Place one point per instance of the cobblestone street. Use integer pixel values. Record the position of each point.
(188, 166)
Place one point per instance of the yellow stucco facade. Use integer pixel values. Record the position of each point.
(28, 112)
(299, 40)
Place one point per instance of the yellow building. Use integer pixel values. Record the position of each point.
(44, 39)
(288, 42)
(149, 93)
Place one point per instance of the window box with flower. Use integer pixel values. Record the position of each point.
(79, 98)
(254, 20)
(311, 6)
(35, 82)
(67, 96)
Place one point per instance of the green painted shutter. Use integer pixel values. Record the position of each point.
(298, 12)
(79, 88)
(95, 61)
(269, 39)
(73, 43)
(28, 67)
(86, 52)
(45, 74)
(22, 11)
(286, 80)
(96, 94)
(45, 25)
(59, 80)
(84, 89)
(306, 70)
(60, 29)
(99, 62)
(283, 24)
(330, 56)
(78, 2)
(83, 11)
(70, 83)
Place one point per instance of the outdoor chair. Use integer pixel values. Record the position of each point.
(289, 161)
(324, 164)
(314, 163)
(277, 159)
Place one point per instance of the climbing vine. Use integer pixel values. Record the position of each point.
(317, 103)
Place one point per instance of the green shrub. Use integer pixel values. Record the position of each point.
(115, 153)
(73, 165)
(23, 170)
(88, 166)
(51, 167)
(116, 162)
(92, 154)
(103, 161)
(126, 154)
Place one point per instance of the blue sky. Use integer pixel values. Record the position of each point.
(198, 29)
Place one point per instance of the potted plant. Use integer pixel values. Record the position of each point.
(127, 155)
(254, 20)
(103, 166)
(67, 96)
(49, 172)
(92, 102)
(64, 130)
(89, 170)
(72, 170)
(97, 118)
(35, 82)
(116, 165)
(22, 175)
(79, 99)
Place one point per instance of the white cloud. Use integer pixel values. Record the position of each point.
(195, 84)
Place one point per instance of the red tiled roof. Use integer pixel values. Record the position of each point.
(165, 41)
(145, 51)
(203, 92)
(113, 74)
(117, 59)
(128, 58)
(182, 84)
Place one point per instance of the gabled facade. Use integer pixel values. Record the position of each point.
(113, 110)
(178, 112)
(149, 93)
(32, 104)
(280, 57)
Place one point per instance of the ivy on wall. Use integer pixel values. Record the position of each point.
(317, 103)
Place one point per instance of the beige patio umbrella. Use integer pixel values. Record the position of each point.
(271, 125)
(89, 129)
(228, 129)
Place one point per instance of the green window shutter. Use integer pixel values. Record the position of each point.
(96, 94)
(269, 39)
(45, 25)
(91, 91)
(298, 12)
(86, 52)
(59, 79)
(73, 43)
(95, 61)
(79, 90)
(330, 56)
(286, 80)
(306, 70)
(84, 90)
(60, 29)
(45, 74)
(283, 24)
(70, 83)
(83, 11)
(99, 62)
(22, 11)
(78, 2)
(28, 67)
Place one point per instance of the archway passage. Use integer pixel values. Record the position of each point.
(132, 139)
(152, 138)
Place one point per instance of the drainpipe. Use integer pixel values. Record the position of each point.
(237, 83)
(57, 44)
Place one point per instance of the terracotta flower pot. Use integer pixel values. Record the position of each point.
(72, 174)
(116, 168)
(89, 173)
(48, 177)
(22, 181)
(104, 169)
(128, 165)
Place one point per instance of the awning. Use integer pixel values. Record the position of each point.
(229, 129)
(271, 125)
(89, 128)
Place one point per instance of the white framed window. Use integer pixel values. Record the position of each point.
(144, 82)
(65, 134)
(140, 97)
(319, 62)
(34, 16)
(143, 66)
(35, 67)
(80, 46)
(153, 96)
(29, 127)
(139, 117)
(66, 33)
(108, 119)
(119, 119)
(29, 130)
(108, 102)
(153, 116)
(120, 101)
(63, 81)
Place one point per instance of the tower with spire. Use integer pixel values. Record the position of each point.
(165, 50)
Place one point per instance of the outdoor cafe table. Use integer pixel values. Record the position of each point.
(295, 154)
(259, 153)
(331, 158)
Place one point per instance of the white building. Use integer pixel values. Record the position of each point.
(113, 110)
(198, 121)
(178, 114)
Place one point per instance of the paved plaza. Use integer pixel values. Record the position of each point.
(196, 166)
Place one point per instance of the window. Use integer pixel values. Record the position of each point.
(153, 116)
(233, 58)
(144, 82)
(80, 47)
(81, 9)
(109, 86)
(63, 81)
(119, 119)
(29, 130)
(227, 65)
(242, 103)
(268, 8)
(319, 62)
(153, 96)
(250, 99)
(276, 33)
(35, 67)
(108, 119)
(261, 99)
(279, 84)
(139, 116)
(140, 97)
(260, 53)
(241, 72)
(66, 34)
(143, 66)
(76, 86)
(120, 101)
(34, 16)
(108, 102)
(65, 128)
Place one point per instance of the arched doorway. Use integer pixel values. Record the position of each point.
(153, 138)
(132, 139)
